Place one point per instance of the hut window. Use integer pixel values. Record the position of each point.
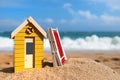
(29, 48)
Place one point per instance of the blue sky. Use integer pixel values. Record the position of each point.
(67, 15)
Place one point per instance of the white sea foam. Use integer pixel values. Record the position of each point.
(6, 44)
(90, 43)
(80, 44)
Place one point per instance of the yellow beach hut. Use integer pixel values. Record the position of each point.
(28, 45)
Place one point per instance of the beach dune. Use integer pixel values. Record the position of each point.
(78, 67)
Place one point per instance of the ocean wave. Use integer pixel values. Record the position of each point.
(79, 44)
(6, 44)
(92, 43)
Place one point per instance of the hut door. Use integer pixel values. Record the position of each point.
(29, 51)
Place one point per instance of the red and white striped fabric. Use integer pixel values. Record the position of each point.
(59, 56)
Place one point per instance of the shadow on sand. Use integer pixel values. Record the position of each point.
(7, 70)
(50, 64)
(11, 69)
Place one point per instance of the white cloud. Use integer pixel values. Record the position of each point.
(8, 22)
(78, 16)
(112, 4)
(87, 14)
(81, 16)
(67, 5)
(108, 19)
(49, 20)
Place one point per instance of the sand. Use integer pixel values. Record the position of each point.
(98, 66)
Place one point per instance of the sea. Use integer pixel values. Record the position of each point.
(73, 41)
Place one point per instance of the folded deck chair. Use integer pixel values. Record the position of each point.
(59, 56)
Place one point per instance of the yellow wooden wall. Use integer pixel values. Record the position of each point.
(19, 48)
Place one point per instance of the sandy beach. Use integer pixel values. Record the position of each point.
(80, 66)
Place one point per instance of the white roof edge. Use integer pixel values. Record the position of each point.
(18, 28)
(31, 20)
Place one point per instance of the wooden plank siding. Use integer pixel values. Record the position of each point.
(19, 48)
(17, 69)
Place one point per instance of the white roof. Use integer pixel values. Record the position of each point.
(29, 20)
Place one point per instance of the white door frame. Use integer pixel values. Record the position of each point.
(29, 57)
